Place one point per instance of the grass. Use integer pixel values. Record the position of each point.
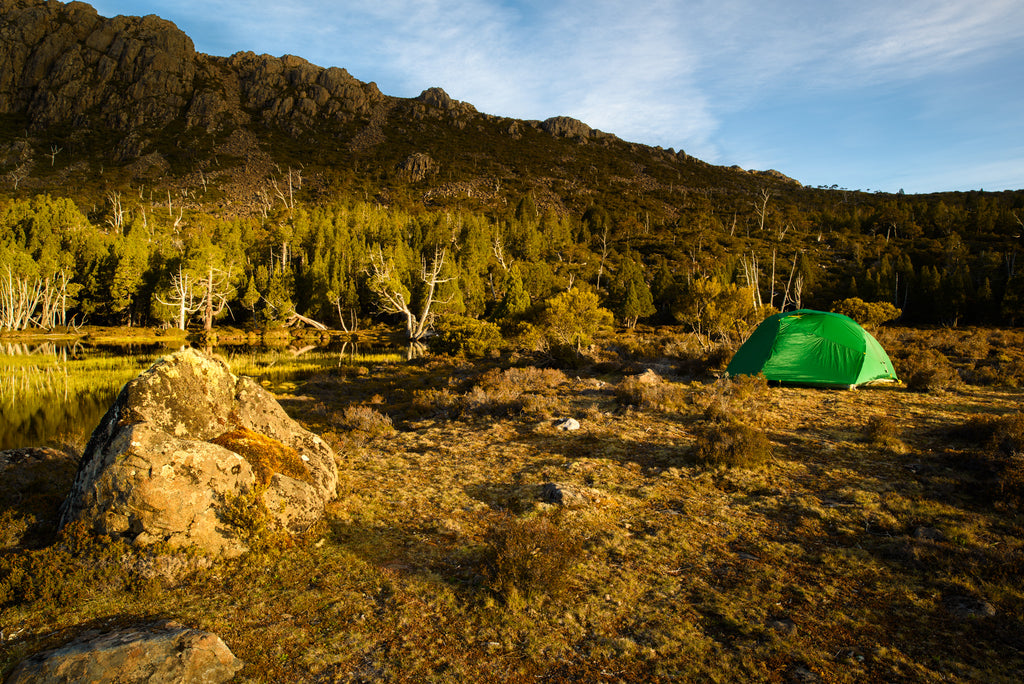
(870, 546)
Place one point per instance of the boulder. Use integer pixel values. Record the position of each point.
(185, 452)
(567, 424)
(154, 653)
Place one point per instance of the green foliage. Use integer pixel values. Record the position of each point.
(629, 293)
(573, 317)
(462, 335)
(516, 301)
(253, 525)
(868, 314)
(713, 309)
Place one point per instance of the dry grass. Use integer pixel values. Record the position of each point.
(840, 559)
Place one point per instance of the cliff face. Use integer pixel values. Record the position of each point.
(65, 64)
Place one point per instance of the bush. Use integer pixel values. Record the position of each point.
(469, 336)
(868, 314)
(515, 390)
(882, 432)
(741, 399)
(928, 371)
(1001, 454)
(572, 318)
(531, 556)
(731, 444)
(367, 420)
(651, 392)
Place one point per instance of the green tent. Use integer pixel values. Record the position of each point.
(813, 348)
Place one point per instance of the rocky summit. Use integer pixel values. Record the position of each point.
(186, 452)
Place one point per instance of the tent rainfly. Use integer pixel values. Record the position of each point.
(813, 348)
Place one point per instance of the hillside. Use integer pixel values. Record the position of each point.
(123, 117)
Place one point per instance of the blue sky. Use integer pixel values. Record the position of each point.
(922, 95)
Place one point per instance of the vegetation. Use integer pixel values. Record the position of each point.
(725, 530)
(882, 539)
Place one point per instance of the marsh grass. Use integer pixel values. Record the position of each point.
(49, 398)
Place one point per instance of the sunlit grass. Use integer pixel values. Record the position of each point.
(280, 370)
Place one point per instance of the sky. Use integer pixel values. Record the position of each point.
(918, 95)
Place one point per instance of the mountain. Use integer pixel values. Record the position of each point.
(300, 174)
(133, 95)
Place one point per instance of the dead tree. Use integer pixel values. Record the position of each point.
(18, 174)
(394, 297)
(762, 209)
(182, 297)
(215, 293)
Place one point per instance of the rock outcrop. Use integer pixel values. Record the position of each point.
(185, 448)
(164, 651)
(65, 64)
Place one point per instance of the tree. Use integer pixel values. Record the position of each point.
(181, 299)
(516, 301)
(394, 297)
(573, 317)
(251, 296)
(713, 309)
(127, 262)
(630, 296)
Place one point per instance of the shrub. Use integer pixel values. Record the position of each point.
(515, 390)
(469, 336)
(882, 432)
(928, 371)
(527, 557)
(742, 399)
(731, 444)
(367, 420)
(573, 317)
(253, 525)
(1001, 453)
(436, 403)
(868, 314)
(650, 391)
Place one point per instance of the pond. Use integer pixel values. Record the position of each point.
(54, 393)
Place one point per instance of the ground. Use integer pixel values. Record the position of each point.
(877, 542)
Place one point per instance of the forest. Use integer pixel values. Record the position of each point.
(947, 259)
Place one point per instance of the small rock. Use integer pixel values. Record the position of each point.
(801, 674)
(567, 424)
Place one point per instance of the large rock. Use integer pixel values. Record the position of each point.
(65, 65)
(157, 653)
(183, 449)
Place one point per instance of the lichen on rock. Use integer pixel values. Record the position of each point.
(180, 440)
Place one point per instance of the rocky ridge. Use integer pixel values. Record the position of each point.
(70, 66)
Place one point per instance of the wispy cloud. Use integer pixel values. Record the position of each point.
(727, 80)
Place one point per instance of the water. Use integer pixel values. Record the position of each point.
(52, 394)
